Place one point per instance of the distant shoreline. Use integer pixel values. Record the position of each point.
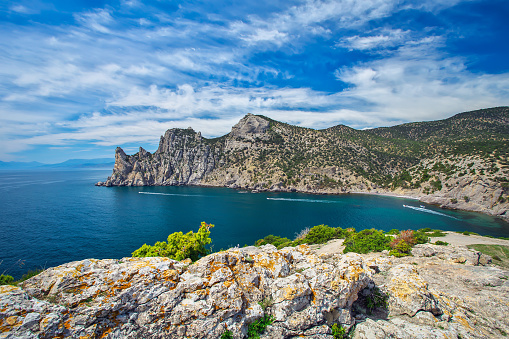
(385, 194)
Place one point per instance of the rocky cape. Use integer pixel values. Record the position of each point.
(458, 163)
(440, 292)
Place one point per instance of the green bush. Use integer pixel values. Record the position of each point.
(393, 232)
(443, 243)
(258, 326)
(227, 335)
(180, 246)
(338, 331)
(272, 239)
(432, 233)
(6, 279)
(401, 249)
(437, 233)
(30, 274)
(467, 233)
(320, 234)
(421, 237)
(366, 241)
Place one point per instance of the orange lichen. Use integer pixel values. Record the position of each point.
(463, 322)
(105, 333)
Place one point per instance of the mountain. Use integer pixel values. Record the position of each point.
(461, 162)
(69, 164)
(18, 165)
(83, 163)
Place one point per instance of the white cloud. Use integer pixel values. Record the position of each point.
(388, 38)
(21, 9)
(96, 20)
(261, 35)
(419, 84)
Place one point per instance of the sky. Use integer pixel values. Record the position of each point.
(79, 78)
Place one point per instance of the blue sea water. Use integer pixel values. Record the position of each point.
(48, 218)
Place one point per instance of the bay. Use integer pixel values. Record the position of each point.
(48, 218)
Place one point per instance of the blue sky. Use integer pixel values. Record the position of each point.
(78, 78)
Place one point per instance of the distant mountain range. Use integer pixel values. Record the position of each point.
(69, 164)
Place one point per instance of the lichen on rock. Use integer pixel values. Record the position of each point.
(430, 295)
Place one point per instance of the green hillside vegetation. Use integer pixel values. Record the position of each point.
(388, 157)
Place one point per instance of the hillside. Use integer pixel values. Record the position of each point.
(461, 162)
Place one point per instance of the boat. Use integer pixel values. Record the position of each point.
(422, 206)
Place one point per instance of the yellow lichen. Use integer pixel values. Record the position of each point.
(8, 288)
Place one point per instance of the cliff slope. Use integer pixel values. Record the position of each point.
(441, 292)
(461, 162)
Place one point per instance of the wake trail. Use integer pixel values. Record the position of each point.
(305, 200)
(421, 209)
(173, 194)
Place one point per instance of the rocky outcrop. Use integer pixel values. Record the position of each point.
(264, 154)
(430, 295)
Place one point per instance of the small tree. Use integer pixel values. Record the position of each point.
(180, 246)
(366, 241)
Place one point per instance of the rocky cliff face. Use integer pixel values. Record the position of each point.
(470, 171)
(441, 292)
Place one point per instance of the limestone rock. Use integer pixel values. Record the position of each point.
(250, 127)
(429, 296)
(160, 297)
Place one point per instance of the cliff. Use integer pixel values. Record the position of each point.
(440, 292)
(461, 162)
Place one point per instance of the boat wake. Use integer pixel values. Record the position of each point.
(173, 194)
(305, 200)
(424, 209)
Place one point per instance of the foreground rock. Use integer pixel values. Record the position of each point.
(441, 292)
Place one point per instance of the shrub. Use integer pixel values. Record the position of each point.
(30, 274)
(421, 237)
(454, 200)
(366, 241)
(393, 232)
(405, 236)
(320, 234)
(467, 233)
(227, 335)
(180, 246)
(6, 279)
(432, 233)
(467, 199)
(338, 331)
(272, 239)
(401, 249)
(443, 243)
(258, 326)
(437, 233)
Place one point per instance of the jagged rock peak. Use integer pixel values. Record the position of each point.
(175, 136)
(250, 127)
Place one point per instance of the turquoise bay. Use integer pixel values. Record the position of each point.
(52, 217)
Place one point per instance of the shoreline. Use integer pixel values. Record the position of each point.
(315, 192)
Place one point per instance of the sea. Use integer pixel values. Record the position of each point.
(48, 218)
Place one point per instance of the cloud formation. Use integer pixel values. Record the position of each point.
(93, 78)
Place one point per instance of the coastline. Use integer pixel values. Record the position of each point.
(428, 199)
